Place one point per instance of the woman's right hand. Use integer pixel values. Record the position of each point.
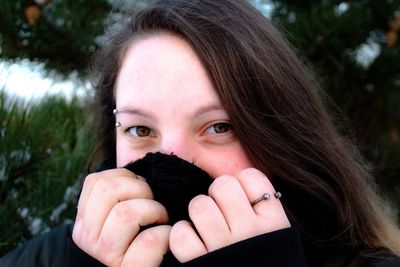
(113, 205)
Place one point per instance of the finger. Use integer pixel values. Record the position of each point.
(185, 244)
(255, 184)
(90, 182)
(107, 193)
(123, 224)
(233, 202)
(209, 222)
(148, 248)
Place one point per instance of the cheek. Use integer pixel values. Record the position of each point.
(225, 163)
(126, 155)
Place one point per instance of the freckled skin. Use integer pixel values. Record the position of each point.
(163, 71)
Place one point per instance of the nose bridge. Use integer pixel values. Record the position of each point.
(178, 143)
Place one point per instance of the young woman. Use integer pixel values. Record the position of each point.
(214, 83)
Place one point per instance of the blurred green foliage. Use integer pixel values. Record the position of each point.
(354, 47)
(43, 151)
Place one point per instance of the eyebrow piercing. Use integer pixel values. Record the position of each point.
(115, 112)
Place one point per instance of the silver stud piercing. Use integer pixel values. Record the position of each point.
(115, 112)
(278, 194)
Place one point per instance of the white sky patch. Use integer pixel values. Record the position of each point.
(341, 8)
(27, 80)
(266, 7)
(367, 53)
(41, 2)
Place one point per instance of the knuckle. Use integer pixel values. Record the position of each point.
(91, 178)
(84, 239)
(220, 183)
(179, 233)
(106, 186)
(149, 239)
(105, 243)
(105, 250)
(199, 204)
(145, 189)
(124, 212)
(125, 172)
(251, 175)
(90, 239)
(249, 172)
(102, 185)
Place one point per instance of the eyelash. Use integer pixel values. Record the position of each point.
(228, 129)
(151, 133)
(224, 124)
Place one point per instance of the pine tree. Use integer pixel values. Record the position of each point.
(354, 48)
(62, 34)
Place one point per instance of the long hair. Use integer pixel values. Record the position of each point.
(276, 111)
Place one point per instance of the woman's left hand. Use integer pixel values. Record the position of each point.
(227, 216)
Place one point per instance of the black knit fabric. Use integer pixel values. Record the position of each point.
(174, 182)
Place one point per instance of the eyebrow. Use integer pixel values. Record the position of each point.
(207, 108)
(149, 114)
(136, 111)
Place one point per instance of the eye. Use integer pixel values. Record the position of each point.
(219, 128)
(140, 131)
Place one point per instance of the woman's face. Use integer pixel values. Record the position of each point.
(166, 102)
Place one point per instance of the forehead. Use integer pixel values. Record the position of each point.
(162, 67)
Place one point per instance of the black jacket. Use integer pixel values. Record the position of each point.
(281, 249)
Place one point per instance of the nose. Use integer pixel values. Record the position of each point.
(179, 145)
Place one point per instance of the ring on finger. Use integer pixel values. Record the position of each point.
(266, 196)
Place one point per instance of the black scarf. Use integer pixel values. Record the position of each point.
(174, 183)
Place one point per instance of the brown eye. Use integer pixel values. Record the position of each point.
(219, 128)
(140, 131)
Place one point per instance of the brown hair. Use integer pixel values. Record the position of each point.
(276, 111)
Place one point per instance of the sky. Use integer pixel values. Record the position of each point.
(27, 80)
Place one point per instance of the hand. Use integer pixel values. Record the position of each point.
(112, 207)
(226, 216)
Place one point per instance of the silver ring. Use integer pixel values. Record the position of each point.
(266, 196)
